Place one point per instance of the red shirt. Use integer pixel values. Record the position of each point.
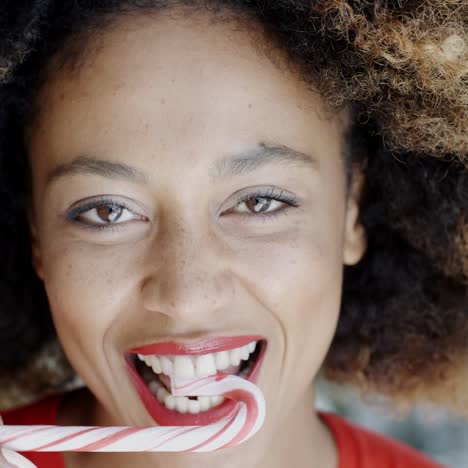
(357, 447)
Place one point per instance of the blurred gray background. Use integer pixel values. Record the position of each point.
(433, 430)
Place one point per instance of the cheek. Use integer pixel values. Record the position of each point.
(85, 289)
(298, 276)
(299, 281)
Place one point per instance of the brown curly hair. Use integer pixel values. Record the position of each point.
(402, 67)
(413, 63)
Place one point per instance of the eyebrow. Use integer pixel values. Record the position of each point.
(100, 167)
(264, 154)
(225, 168)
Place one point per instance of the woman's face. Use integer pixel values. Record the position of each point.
(139, 163)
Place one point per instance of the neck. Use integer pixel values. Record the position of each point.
(303, 439)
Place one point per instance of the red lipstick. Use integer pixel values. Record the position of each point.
(205, 346)
(166, 417)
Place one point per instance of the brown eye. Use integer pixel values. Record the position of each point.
(102, 213)
(105, 213)
(258, 204)
(267, 204)
(109, 213)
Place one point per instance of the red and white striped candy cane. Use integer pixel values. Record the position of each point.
(228, 432)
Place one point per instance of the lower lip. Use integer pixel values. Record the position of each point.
(166, 417)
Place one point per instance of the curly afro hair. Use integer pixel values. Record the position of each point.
(402, 67)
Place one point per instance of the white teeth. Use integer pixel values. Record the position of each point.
(244, 352)
(193, 406)
(161, 394)
(169, 401)
(166, 365)
(181, 404)
(222, 360)
(235, 356)
(156, 364)
(205, 402)
(183, 367)
(203, 365)
(154, 387)
(216, 400)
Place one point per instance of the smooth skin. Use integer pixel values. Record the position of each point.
(171, 96)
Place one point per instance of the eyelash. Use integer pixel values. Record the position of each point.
(269, 194)
(105, 201)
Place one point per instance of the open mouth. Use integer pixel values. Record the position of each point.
(152, 367)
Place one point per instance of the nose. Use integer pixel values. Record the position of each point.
(187, 281)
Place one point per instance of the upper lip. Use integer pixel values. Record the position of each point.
(206, 345)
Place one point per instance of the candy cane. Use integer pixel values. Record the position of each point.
(228, 432)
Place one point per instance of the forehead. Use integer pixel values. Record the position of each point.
(129, 48)
(191, 75)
